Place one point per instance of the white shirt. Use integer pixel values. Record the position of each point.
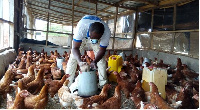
(82, 30)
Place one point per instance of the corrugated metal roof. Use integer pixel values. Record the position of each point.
(60, 11)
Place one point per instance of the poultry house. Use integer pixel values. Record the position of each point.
(38, 83)
(153, 41)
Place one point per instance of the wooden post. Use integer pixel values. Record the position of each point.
(135, 29)
(72, 21)
(96, 8)
(174, 18)
(115, 22)
(174, 28)
(48, 23)
(151, 35)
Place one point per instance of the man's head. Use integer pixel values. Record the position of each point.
(96, 30)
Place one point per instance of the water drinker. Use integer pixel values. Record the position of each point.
(115, 64)
(87, 84)
(59, 63)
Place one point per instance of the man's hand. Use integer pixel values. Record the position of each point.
(93, 66)
(84, 67)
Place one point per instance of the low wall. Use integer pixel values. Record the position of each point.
(38, 48)
(167, 58)
(7, 57)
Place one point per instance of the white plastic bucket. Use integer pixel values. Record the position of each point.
(146, 60)
(59, 62)
(122, 55)
(87, 84)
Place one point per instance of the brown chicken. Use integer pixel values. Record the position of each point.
(171, 93)
(196, 85)
(186, 94)
(51, 55)
(5, 82)
(179, 64)
(28, 62)
(29, 53)
(88, 59)
(36, 85)
(55, 85)
(55, 71)
(188, 85)
(128, 58)
(149, 106)
(136, 61)
(27, 79)
(19, 100)
(115, 52)
(99, 99)
(196, 100)
(46, 67)
(186, 99)
(161, 64)
(188, 73)
(157, 99)
(114, 102)
(176, 77)
(141, 61)
(66, 55)
(56, 55)
(64, 65)
(127, 86)
(20, 52)
(138, 95)
(37, 101)
(22, 64)
(136, 72)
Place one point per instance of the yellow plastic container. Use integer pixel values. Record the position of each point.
(158, 77)
(115, 64)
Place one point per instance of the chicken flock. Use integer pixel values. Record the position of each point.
(34, 77)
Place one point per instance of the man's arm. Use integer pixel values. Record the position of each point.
(100, 54)
(98, 57)
(75, 51)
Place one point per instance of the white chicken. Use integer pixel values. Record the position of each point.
(65, 96)
(78, 100)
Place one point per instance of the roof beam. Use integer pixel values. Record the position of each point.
(154, 2)
(39, 10)
(119, 15)
(115, 5)
(163, 4)
(51, 17)
(99, 11)
(30, 5)
(57, 7)
(79, 2)
(54, 18)
(50, 20)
